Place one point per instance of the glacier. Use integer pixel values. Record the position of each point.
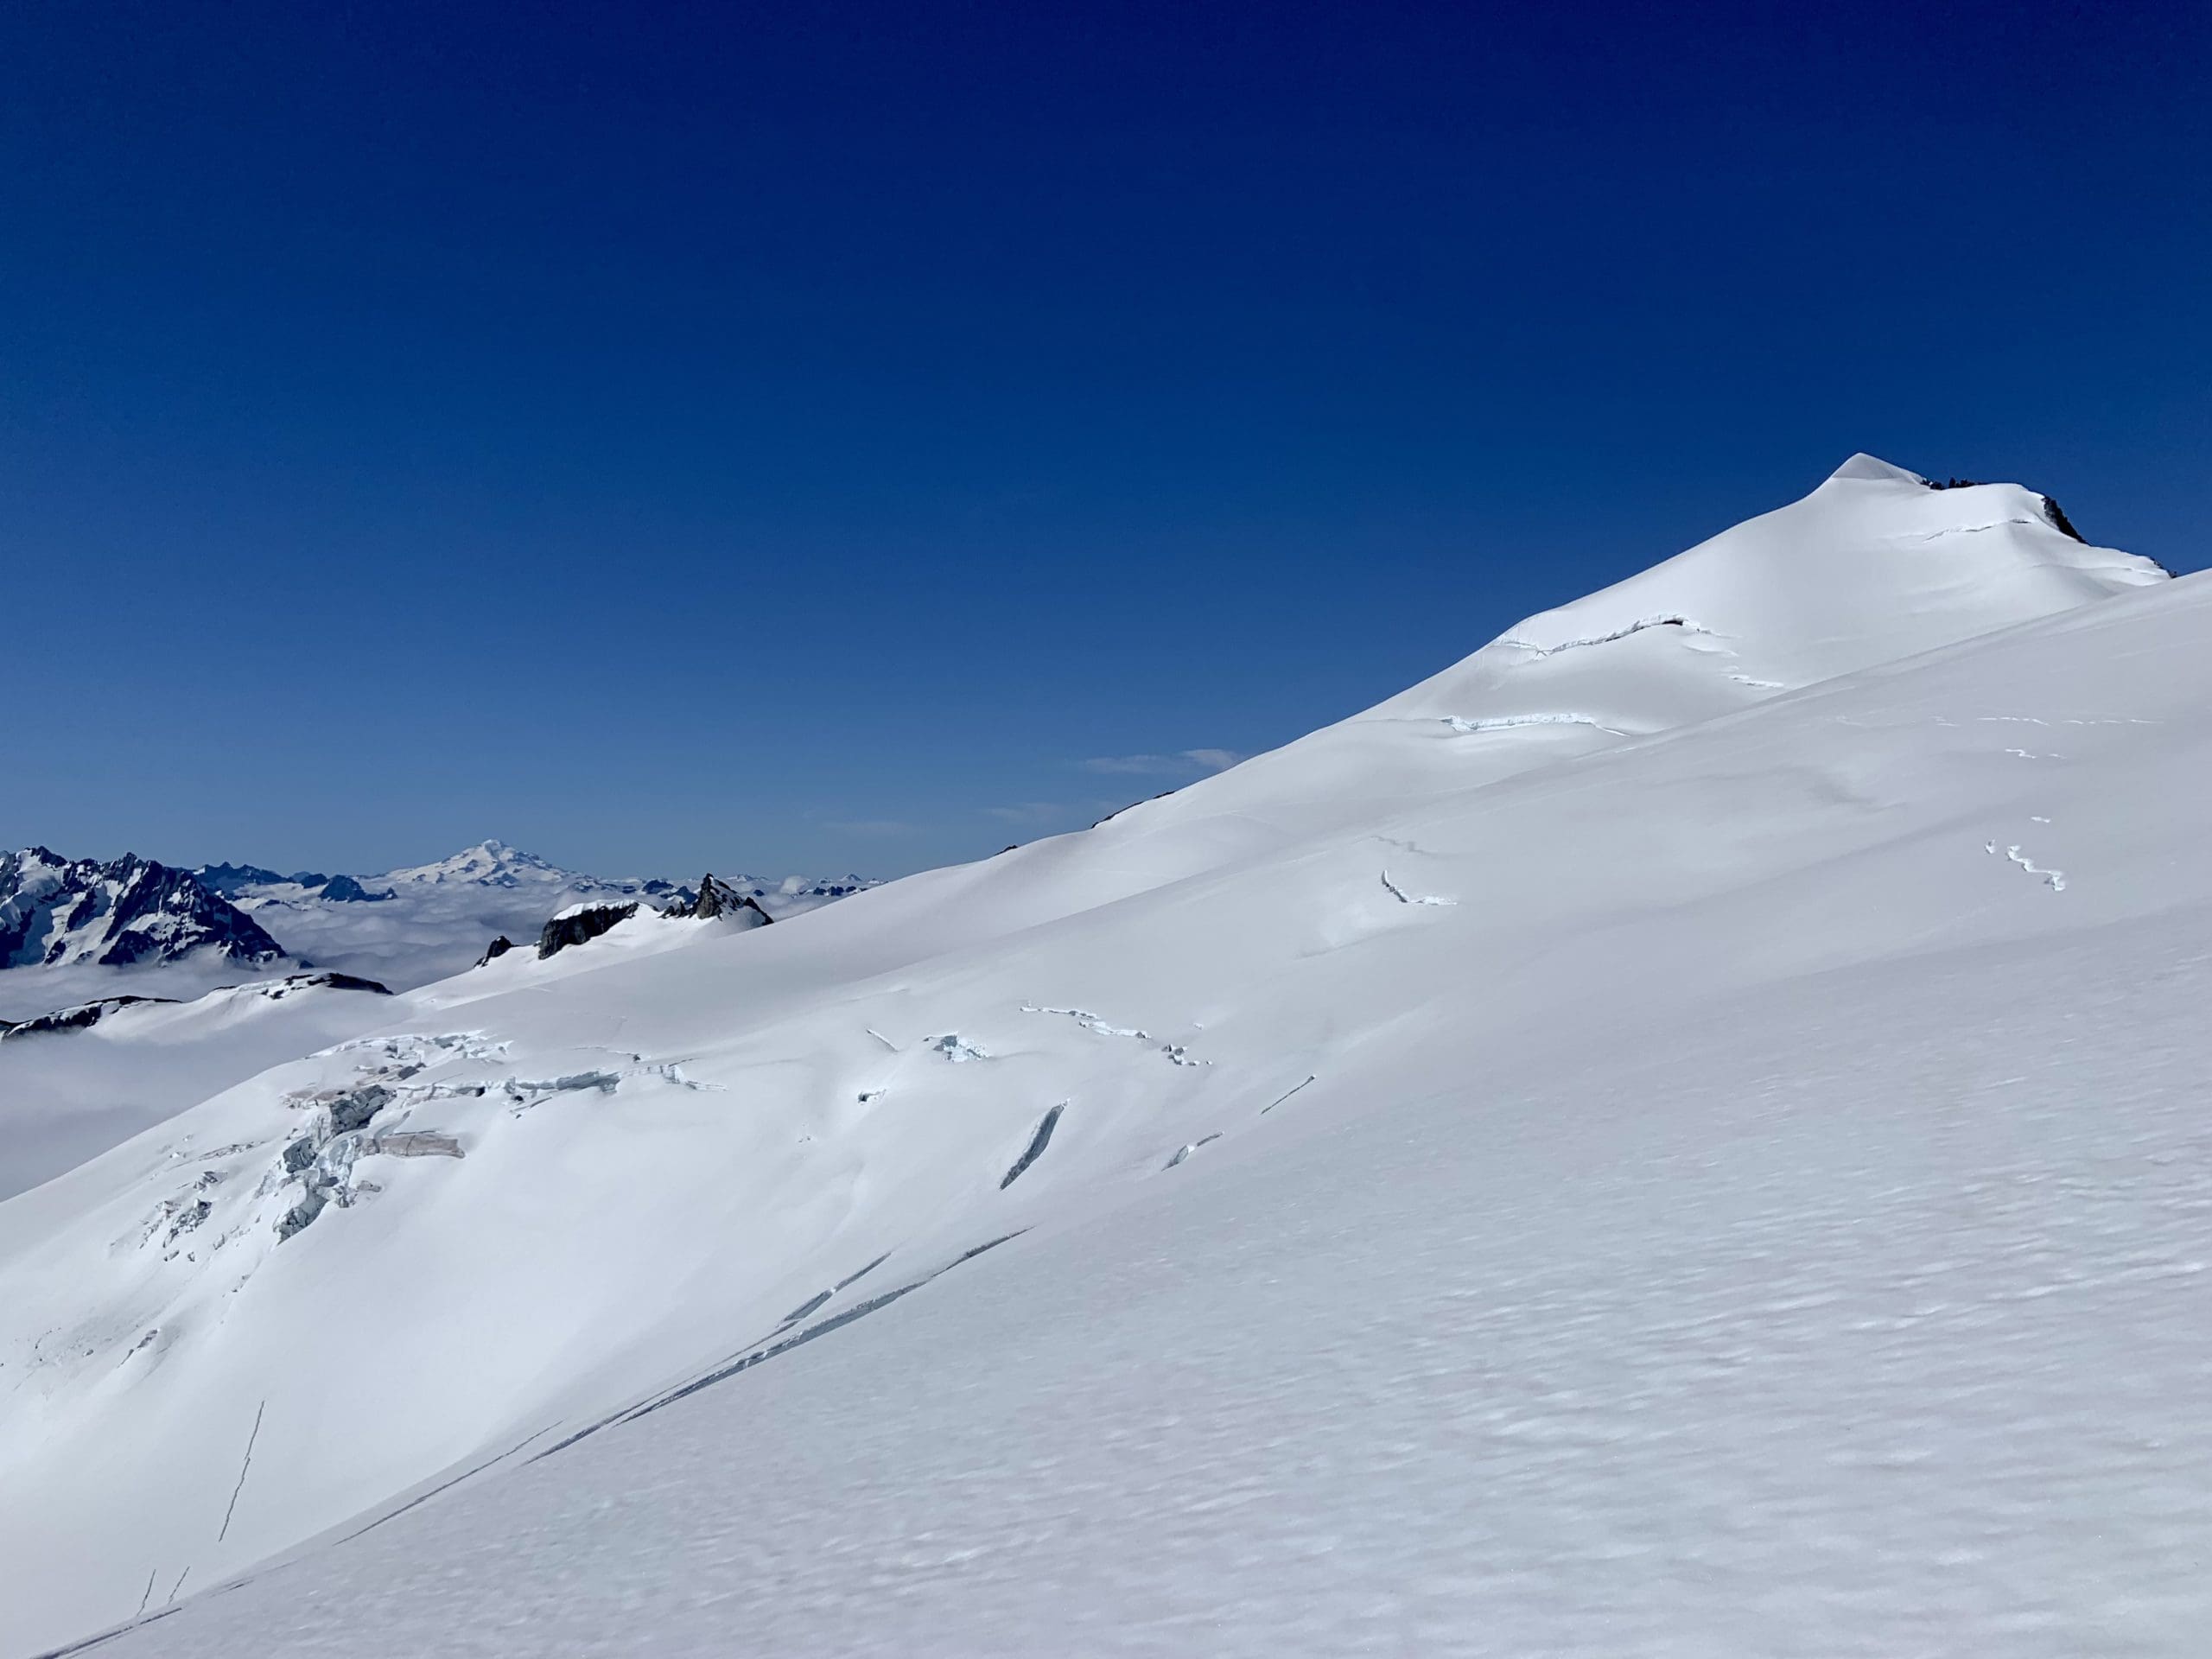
(1680, 1180)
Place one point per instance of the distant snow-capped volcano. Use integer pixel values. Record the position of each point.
(494, 864)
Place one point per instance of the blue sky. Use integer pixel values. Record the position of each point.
(858, 436)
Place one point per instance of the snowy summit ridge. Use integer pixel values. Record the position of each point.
(1874, 566)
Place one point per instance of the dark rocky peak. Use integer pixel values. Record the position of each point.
(2060, 523)
(583, 922)
(344, 890)
(493, 951)
(716, 898)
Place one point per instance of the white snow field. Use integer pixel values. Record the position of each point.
(68, 1095)
(1731, 1178)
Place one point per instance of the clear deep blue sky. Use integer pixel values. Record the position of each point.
(802, 437)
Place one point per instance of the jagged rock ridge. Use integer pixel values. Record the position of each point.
(127, 911)
(578, 923)
(716, 898)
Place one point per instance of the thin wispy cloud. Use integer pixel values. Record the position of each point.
(1031, 813)
(1181, 763)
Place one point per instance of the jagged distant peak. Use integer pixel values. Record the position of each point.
(717, 897)
(119, 912)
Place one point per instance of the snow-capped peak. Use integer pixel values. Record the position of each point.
(1863, 468)
(491, 862)
(1874, 566)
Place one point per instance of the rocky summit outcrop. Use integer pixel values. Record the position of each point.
(580, 923)
(344, 889)
(715, 898)
(125, 910)
(276, 989)
(493, 951)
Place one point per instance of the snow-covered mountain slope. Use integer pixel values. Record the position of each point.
(434, 920)
(70, 1095)
(129, 911)
(1872, 567)
(1397, 1192)
(1860, 1316)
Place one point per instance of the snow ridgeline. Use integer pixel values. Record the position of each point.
(1718, 1195)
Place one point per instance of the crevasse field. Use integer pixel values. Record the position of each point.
(1684, 1133)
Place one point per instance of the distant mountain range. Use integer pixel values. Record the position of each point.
(403, 927)
(57, 911)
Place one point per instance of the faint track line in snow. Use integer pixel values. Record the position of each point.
(1414, 847)
(880, 1037)
(245, 1465)
(1539, 652)
(149, 1596)
(1279, 1099)
(448, 1485)
(770, 1348)
(1974, 530)
(105, 1637)
(178, 1587)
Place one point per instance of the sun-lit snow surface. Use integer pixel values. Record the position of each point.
(68, 1096)
(1745, 1193)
